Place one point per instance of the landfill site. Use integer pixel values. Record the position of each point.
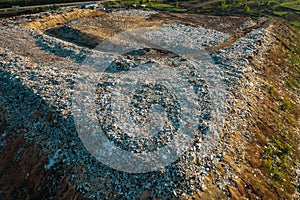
(144, 104)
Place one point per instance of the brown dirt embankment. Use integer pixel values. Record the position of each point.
(263, 157)
(64, 18)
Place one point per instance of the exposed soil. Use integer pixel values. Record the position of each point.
(56, 20)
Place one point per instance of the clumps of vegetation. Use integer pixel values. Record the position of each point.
(10, 3)
(293, 60)
(281, 151)
(150, 4)
(291, 83)
(223, 4)
(278, 163)
(296, 23)
(246, 8)
(293, 57)
(286, 105)
(288, 10)
(280, 13)
(289, 119)
(43, 9)
(11, 12)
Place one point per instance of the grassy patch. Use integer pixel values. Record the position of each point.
(295, 59)
(280, 13)
(293, 62)
(293, 4)
(295, 23)
(289, 119)
(287, 10)
(278, 163)
(286, 105)
(162, 5)
(152, 4)
(291, 83)
(10, 12)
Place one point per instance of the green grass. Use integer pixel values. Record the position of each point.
(278, 162)
(10, 3)
(153, 4)
(295, 23)
(289, 119)
(162, 5)
(286, 105)
(8, 12)
(293, 4)
(293, 61)
(288, 10)
(280, 13)
(279, 152)
(291, 83)
(293, 57)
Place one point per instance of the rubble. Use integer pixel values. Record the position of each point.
(44, 86)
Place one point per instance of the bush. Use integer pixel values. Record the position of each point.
(223, 4)
(286, 105)
(246, 8)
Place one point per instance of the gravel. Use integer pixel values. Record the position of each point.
(41, 94)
